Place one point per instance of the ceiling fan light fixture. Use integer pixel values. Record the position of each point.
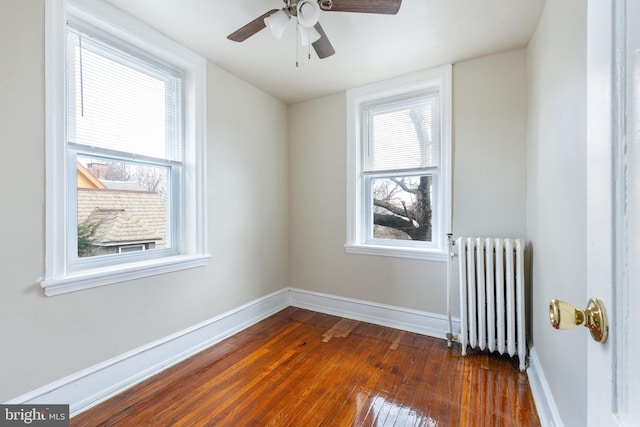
(308, 13)
(277, 22)
(308, 35)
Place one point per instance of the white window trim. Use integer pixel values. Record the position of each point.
(439, 78)
(102, 15)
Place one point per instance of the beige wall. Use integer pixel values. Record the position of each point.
(490, 133)
(556, 195)
(46, 338)
(489, 194)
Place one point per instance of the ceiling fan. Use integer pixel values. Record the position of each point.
(307, 14)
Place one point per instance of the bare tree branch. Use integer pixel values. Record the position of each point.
(151, 179)
(397, 210)
(118, 171)
(422, 232)
(400, 183)
(406, 212)
(394, 221)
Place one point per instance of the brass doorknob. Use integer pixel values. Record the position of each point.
(565, 316)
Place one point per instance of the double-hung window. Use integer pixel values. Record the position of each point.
(125, 149)
(399, 173)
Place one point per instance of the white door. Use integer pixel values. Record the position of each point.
(613, 203)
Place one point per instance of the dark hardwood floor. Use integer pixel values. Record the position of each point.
(301, 368)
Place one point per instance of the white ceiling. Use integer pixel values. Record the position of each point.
(424, 33)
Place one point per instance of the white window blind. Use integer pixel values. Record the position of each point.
(120, 101)
(401, 135)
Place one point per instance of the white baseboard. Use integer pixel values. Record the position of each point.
(545, 405)
(421, 322)
(93, 385)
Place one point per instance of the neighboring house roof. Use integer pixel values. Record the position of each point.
(117, 226)
(86, 179)
(127, 216)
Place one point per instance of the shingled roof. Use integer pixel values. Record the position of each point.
(126, 216)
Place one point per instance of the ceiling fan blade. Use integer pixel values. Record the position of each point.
(322, 46)
(386, 7)
(251, 28)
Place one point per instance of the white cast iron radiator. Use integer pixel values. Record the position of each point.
(492, 305)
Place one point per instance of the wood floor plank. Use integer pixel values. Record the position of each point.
(356, 406)
(317, 372)
(442, 383)
(301, 368)
(346, 359)
(403, 413)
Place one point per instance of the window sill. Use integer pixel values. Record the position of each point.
(114, 274)
(398, 252)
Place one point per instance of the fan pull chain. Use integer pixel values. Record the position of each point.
(297, 48)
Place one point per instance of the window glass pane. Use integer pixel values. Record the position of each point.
(402, 136)
(121, 206)
(133, 248)
(120, 102)
(402, 208)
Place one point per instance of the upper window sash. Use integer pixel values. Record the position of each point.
(140, 111)
(389, 129)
